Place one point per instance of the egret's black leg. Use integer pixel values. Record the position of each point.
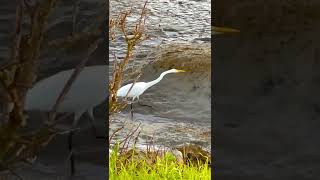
(131, 107)
(70, 147)
(77, 116)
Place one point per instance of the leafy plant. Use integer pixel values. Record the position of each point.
(138, 166)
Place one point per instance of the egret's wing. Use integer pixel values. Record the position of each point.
(44, 93)
(88, 91)
(136, 90)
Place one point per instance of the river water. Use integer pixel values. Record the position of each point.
(182, 106)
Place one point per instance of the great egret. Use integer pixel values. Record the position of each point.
(87, 91)
(140, 87)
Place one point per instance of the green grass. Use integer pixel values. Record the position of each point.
(127, 168)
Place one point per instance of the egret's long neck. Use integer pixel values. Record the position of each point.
(151, 83)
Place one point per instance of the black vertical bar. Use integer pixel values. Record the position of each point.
(213, 154)
(106, 35)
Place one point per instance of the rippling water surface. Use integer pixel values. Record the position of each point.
(169, 21)
(181, 111)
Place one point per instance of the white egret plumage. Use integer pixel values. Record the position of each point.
(87, 91)
(140, 87)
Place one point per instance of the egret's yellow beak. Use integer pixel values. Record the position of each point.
(220, 30)
(181, 70)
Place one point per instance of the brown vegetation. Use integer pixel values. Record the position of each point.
(18, 75)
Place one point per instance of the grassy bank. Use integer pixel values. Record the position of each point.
(132, 165)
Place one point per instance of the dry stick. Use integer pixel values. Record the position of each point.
(159, 150)
(151, 143)
(137, 32)
(115, 132)
(126, 137)
(15, 49)
(136, 139)
(14, 56)
(72, 78)
(133, 84)
(122, 23)
(114, 75)
(130, 137)
(74, 17)
(114, 66)
(24, 76)
(63, 117)
(142, 16)
(132, 133)
(147, 144)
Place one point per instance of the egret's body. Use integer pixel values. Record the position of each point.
(140, 87)
(135, 92)
(87, 91)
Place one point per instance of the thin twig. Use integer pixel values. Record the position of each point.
(72, 78)
(130, 137)
(15, 50)
(115, 132)
(130, 133)
(133, 84)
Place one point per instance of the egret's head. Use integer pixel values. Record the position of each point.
(176, 70)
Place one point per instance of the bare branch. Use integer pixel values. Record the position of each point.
(15, 50)
(72, 78)
(115, 132)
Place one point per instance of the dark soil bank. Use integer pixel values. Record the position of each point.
(266, 83)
